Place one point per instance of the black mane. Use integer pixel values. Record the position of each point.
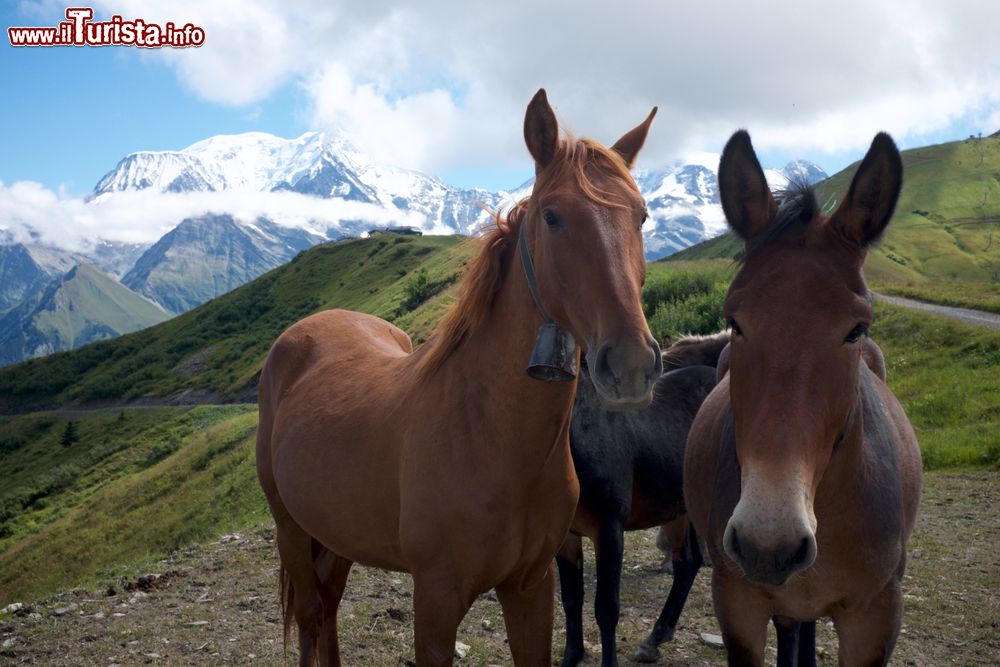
(797, 206)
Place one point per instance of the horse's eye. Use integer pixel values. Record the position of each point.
(856, 333)
(550, 218)
(735, 328)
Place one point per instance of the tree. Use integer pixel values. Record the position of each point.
(69, 435)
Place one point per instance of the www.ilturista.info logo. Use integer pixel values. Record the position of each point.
(80, 30)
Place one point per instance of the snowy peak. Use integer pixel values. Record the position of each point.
(250, 161)
(683, 198)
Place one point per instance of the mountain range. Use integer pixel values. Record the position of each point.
(210, 253)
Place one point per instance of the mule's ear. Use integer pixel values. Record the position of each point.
(871, 199)
(746, 200)
(631, 143)
(541, 131)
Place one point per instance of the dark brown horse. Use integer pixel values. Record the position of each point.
(630, 468)
(450, 462)
(802, 473)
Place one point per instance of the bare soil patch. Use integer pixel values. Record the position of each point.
(217, 604)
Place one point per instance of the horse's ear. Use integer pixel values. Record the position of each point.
(631, 143)
(541, 131)
(746, 200)
(871, 199)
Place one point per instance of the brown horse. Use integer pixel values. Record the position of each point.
(450, 462)
(802, 472)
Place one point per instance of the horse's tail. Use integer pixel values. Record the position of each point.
(286, 594)
(695, 351)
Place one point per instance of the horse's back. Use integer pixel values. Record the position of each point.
(334, 339)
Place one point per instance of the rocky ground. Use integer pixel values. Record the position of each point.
(216, 604)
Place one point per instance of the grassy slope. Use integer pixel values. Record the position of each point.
(945, 223)
(133, 486)
(220, 346)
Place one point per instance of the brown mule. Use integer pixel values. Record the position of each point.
(450, 462)
(802, 472)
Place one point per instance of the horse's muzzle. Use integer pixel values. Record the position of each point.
(624, 373)
(553, 359)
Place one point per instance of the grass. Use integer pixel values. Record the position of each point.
(947, 376)
(138, 483)
(978, 296)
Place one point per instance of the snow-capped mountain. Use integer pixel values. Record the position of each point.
(683, 198)
(684, 205)
(316, 164)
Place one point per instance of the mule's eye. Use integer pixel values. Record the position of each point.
(550, 218)
(735, 328)
(856, 333)
(645, 217)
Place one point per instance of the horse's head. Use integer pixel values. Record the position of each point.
(582, 225)
(799, 310)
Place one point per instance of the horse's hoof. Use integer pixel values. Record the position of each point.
(572, 660)
(647, 653)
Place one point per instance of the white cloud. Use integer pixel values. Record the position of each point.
(441, 85)
(32, 212)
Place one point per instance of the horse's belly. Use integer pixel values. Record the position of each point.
(339, 480)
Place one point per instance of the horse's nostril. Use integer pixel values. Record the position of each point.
(804, 554)
(734, 545)
(602, 366)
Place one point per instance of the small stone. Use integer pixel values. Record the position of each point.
(461, 650)
(12, 608)
(196, 623)
(111, 592)
(62, 611)
(709, 639)
(7, 643)
(487, 625)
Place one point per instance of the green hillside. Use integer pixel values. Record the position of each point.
(217, 349)
(947, 222)
(80, 307)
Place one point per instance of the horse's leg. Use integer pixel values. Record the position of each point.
(332, 571)
(610, 552)
(868, 635)
(570, 562)
(743, 618)
(807, 644)
(686, 563)
(439, 605)
(787, 630)
(527, 613)
(295, 547)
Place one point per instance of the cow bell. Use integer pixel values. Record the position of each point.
(553, 358)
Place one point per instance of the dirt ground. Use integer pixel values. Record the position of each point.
(216, 604)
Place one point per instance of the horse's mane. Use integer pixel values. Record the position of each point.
(486, 272)
(797, 206)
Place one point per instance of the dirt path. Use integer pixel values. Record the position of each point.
(984, 319)
(216, 604)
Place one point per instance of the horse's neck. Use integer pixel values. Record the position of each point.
(528, 411)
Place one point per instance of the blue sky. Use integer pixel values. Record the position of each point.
(70, 114)
(427, 100)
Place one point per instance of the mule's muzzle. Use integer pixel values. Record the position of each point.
(553, 359)
(770, 564)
